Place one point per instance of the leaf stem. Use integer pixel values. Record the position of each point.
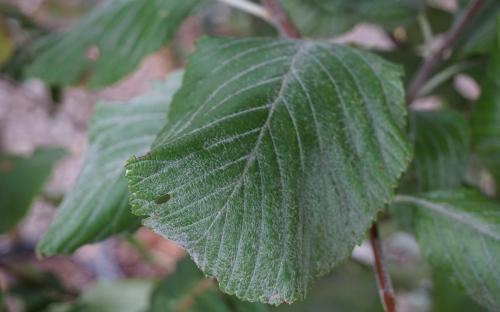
(280, 19)
(250, 8)
(437, 55)
(383, 279)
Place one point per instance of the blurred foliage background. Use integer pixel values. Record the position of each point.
(43, 138)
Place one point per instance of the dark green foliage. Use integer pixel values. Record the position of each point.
(330, 17)
(21, 179)
(485, 120)
(109, 43)
(189, 291)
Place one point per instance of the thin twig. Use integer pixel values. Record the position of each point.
(250, 8)
(280, 19)
(435, 57)
(383, 280)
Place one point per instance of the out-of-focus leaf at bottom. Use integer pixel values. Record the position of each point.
(188, 290)
(350, 288)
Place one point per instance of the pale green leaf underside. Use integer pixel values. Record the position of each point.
(188, 290)
(485, 119)
(97, 206)
(120, 33)
(460, 230)
(277, 156)
(441, 140)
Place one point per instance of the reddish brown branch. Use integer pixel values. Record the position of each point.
(280, 19)
(435, 58)
(383, 280)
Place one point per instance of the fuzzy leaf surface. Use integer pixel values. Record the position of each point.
(277, 156)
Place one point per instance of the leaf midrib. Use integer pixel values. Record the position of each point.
(447, 211)
(252, 155)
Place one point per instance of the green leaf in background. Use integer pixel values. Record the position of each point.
(117, 35)
(330, 17)
(97, 206)
(277, 157)
(441, 140)
(189, 291)
(350, 288)
(450, 299)
(21, 179)
(479, 35)
(485, 119)
(2, 302)
(459, 230)
(127, 295)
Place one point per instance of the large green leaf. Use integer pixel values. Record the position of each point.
(330, 17)
(441, 145)
(459, 230)
(277, 157)
(97, 206)
(485, 119)
(479, 35)
(119, 33)
(21, 179)
(189, 291)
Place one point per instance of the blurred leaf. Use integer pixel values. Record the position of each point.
(36, 290)
(12, 11)
(127, 295)
(349, 288)
(485, 119)
(441, 142)
(274, 145)
(450, 299)
(479, 35)
(5, 42)
(97, 206)
(331, 17)
(109, 42)
(189, 291)
(21, 179)
(459, 230)
(439, 21)
(3, 308)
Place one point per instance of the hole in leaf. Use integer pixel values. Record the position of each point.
(162, 199)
